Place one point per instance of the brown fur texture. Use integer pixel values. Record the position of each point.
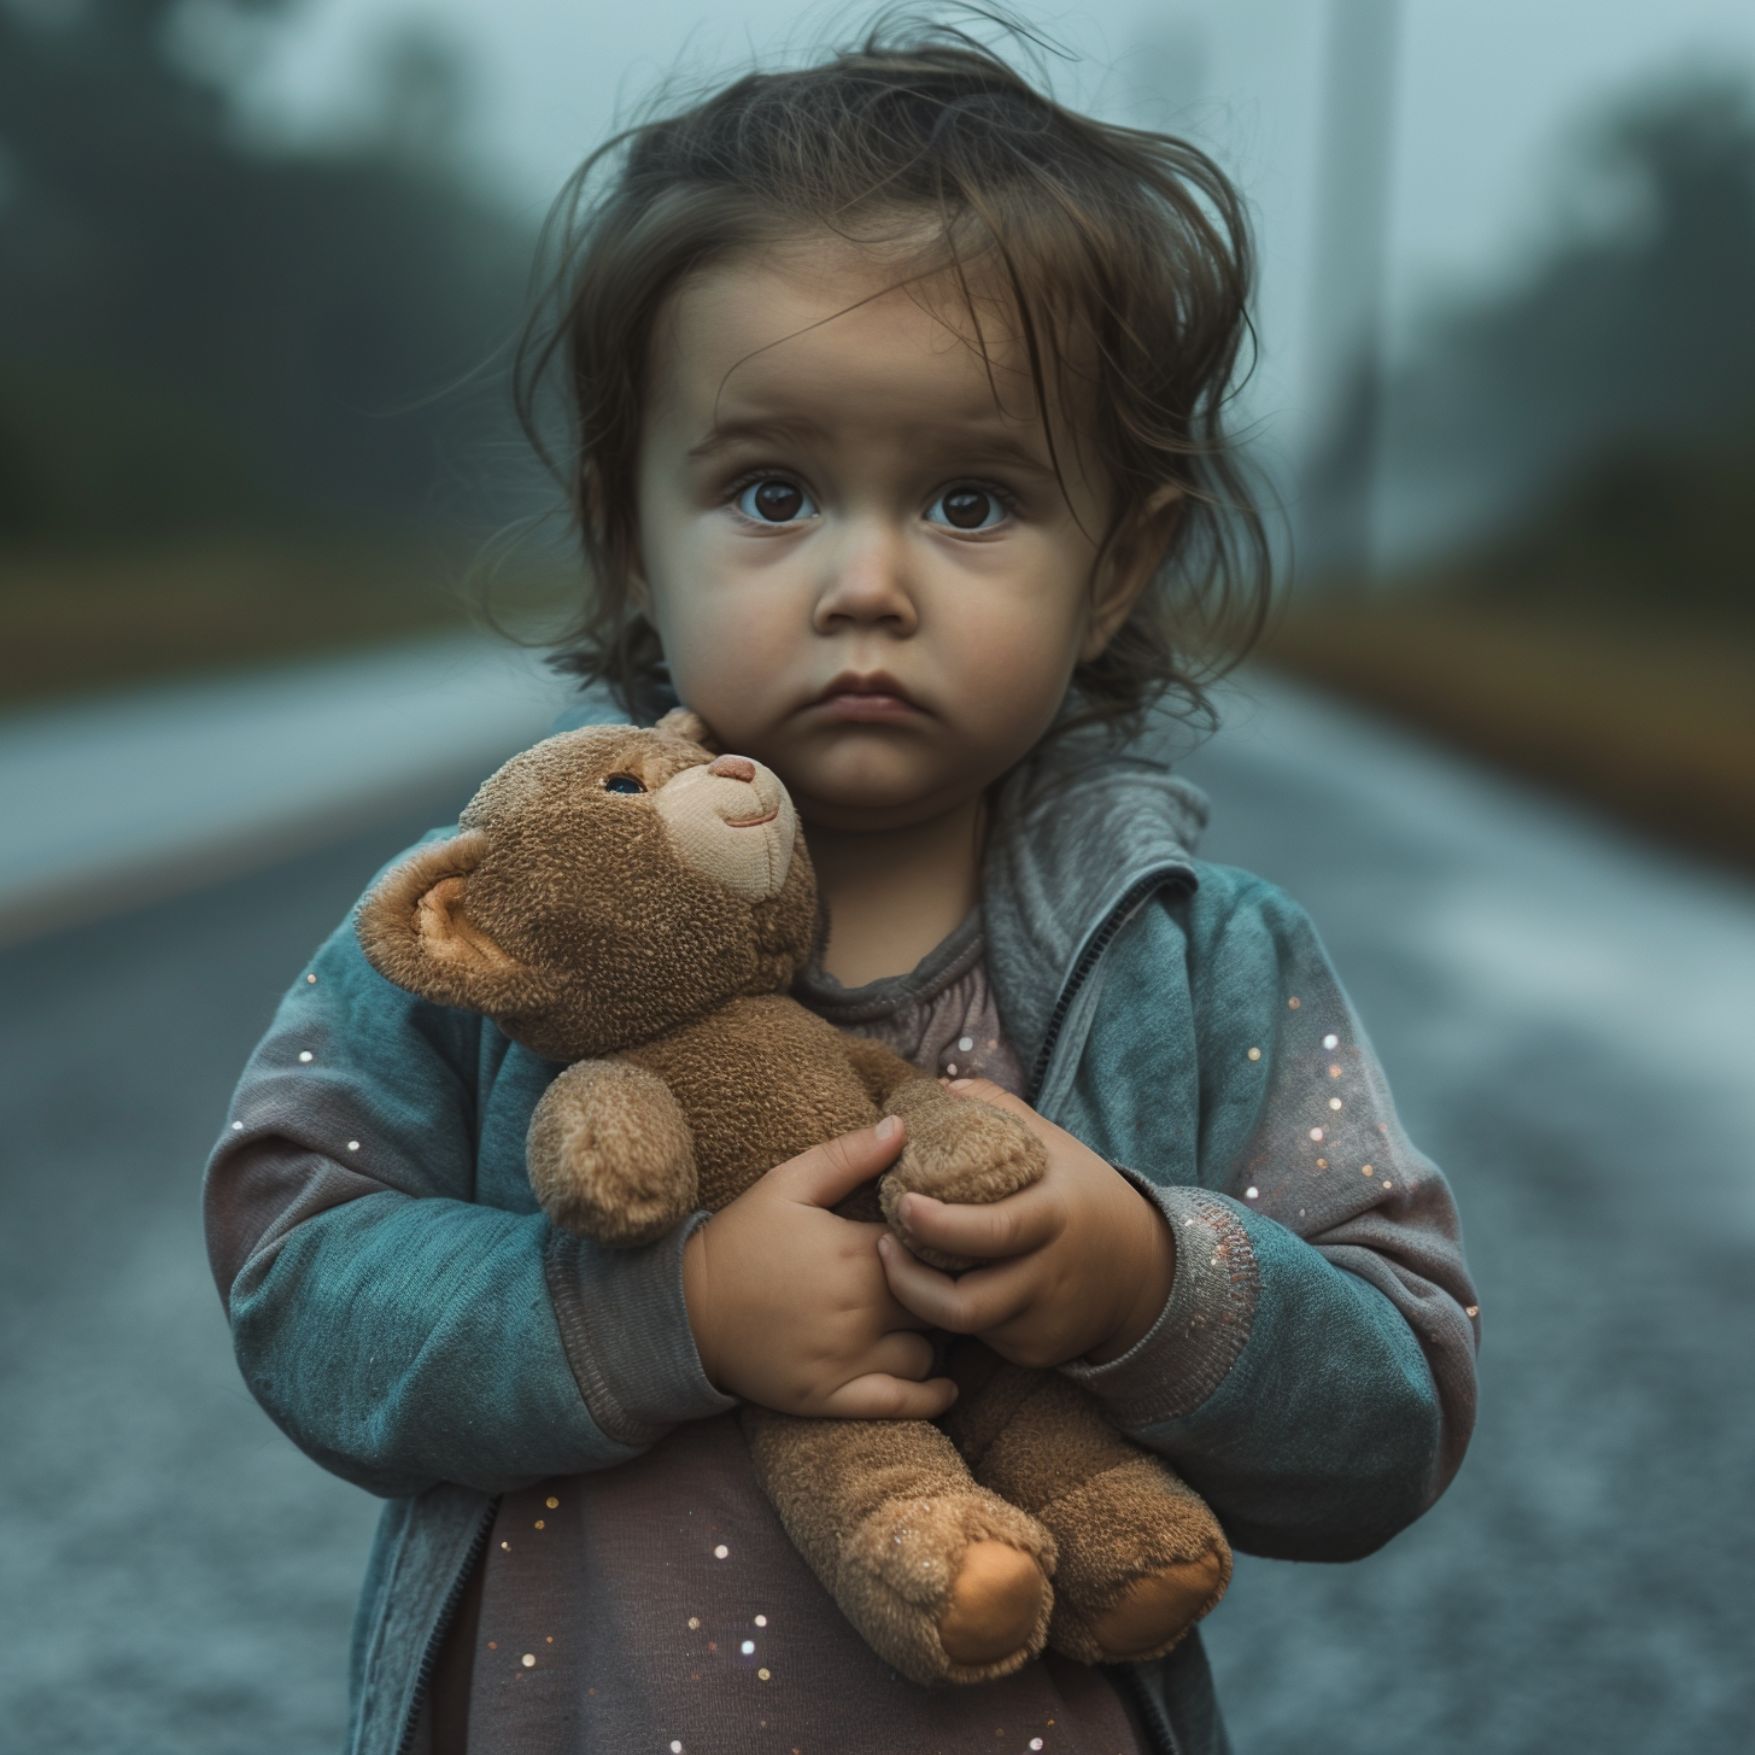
(625, 901)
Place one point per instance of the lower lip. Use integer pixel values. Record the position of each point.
(877, 709)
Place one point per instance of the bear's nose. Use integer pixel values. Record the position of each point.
(732, 768)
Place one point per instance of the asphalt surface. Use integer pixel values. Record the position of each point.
(1563, 1014)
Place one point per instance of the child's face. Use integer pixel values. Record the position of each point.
(772, 564)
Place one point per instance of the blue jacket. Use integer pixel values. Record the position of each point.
(1312, 1374)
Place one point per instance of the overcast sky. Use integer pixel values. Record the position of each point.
(1487, 92)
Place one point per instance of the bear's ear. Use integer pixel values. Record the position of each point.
(415, 929)
(686, 722)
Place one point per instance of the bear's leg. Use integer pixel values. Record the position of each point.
(1141, 1555)
(943, 1579)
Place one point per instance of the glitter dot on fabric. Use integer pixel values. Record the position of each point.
(721, 1551)
(694, 1622)
(1251, 1192)
(1334, 1102)
(237, 1127)
(528, 1660)
(305, 1055)
(310, 980)
(1472, 1310)
(748, 1647)
(1255, 1054)
(1316, 1133)
(540, 1524)
(1293, 1003)
(1365, 1170)
(353, 1145)
(765, 1675)
(1331, 1040)
(552, 1502)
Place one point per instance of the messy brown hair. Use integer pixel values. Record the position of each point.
(1119, 237)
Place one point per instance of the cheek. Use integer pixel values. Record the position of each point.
(1017, 661)
(727, 654)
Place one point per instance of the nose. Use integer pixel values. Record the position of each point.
(732, 768)
(867, 582)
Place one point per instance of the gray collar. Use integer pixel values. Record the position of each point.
(1079, 835)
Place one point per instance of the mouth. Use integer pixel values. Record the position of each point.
(866, 695)
(752, 822)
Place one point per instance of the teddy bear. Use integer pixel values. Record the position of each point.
(633, 903)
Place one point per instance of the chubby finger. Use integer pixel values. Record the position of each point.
(877, 1396)
(903, 1352)
(1013, 1226)
(976, 1301)
(825, 1173)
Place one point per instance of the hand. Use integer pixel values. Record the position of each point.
(1087, 1262)
(789, 1304)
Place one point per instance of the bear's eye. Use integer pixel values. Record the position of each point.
(622, 783)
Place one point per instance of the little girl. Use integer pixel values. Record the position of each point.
(896, 454)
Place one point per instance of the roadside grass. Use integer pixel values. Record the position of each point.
(87, 624)
(1652, 719)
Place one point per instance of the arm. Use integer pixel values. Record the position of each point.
(1312, 1372)
(398, 1330)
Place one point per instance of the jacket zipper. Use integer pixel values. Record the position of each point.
(1094, 948)
(1127, 1675)
(429, 1657)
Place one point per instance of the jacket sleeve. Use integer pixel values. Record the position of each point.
(399, 1331)
(1312, 1373)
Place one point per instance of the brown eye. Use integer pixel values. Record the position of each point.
(622, 783)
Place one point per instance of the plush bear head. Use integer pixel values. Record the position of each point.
(605, 886)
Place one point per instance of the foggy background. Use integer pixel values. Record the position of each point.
(260, 263)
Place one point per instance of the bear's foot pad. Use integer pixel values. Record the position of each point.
(1156, 1608)
(996, 1602)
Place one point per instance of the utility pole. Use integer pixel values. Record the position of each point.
(1338, 494)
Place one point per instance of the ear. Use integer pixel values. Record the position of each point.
(415, 929)
(686, 722)
(1134, 559)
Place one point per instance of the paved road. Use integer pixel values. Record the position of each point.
(1563, 1017)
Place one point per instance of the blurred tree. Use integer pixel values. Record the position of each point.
(196, 331)
(1591, 417)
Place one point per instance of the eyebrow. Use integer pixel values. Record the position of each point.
(983, 439)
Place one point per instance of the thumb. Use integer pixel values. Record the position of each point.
(833, 1169)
